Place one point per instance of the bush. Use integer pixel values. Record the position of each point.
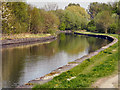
(51, 31)
(62, 26)
(92, 28)
(112, 28)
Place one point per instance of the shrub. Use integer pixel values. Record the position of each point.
(112, 28)
(62, 26)
(92, 28)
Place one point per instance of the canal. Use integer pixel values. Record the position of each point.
(24, 63)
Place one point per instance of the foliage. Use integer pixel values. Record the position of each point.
(92, 28)
(118, 8)
(18, 17)
(62, 26)
(35, 21)
(103, 20)
(73, 4)
(81, 15)
(51, 21)
(95, 7)
(112, 28)
(106, 17)
(14, 17)
(73, 17)
(91, 23)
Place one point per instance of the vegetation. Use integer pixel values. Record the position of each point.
(73, 17)
(19, 17)
(23, 19)
(14, 17)
(103, 64)
(104, 17)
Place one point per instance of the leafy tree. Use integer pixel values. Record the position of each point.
(61, 15)
(81, 15)
(29, 10)
(51, 21)
(91, 23)
(118, 12)
(19, 9)
(14, 17)
(73, 17)
(76, 9)
(35, 21)
(103, 20)
(73, 4)
(118, 8)
(95, 7)
(91, 26)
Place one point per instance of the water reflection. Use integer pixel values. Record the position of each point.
(25, 63)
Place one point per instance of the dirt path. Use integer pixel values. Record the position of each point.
(110, 82)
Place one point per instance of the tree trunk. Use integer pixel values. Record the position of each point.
(105, 30)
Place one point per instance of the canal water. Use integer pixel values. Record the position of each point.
(24, 63)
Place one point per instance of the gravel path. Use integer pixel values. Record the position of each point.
(110, 82)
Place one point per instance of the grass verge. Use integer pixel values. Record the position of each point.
(104, 64)
(23, 35)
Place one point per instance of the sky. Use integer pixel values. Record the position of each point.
(63, 3)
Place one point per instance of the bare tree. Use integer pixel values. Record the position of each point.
(50, 6)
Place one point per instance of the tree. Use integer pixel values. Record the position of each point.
(19, 9)
(35, 21)
(76, 9)
(29, 11)
(103, 20)
(81, 16)
(118, 12)
(14, 17)
(91, 26)
(73, 4)
(51, 22)
(95, 7)
(73, 17)
(61, 15)
(116, 7)
(91, 23)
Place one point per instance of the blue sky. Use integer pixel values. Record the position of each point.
(62, 3)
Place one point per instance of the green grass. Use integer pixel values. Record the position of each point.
(104, 64)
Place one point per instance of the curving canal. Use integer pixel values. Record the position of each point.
(24, 63)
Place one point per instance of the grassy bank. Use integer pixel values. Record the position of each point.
(85, 74)
(23, 35)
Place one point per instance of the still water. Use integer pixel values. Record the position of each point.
(24, 63)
